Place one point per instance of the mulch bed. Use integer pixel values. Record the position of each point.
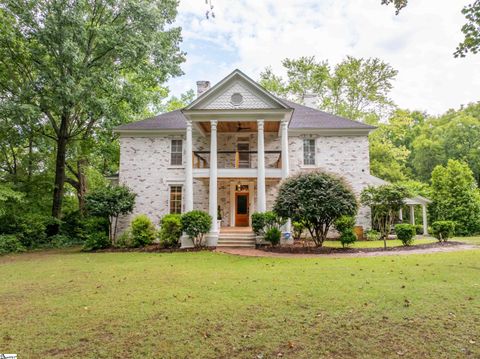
(299, 249)
(153, 248)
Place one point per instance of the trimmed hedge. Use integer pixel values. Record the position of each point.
(443, 230)
(143, 231)
(405, 233)
(170, 230)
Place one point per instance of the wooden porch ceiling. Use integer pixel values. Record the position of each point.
(241, 126)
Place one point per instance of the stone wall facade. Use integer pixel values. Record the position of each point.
(145, 167)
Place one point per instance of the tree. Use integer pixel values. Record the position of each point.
(195, 224)
(385, 202)
(317, 199)
(355, 88)
(110, 202)
(83, 62)
(471, 30)
(456, 196)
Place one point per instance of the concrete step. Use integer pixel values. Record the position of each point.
(236, 241)
(236, 245)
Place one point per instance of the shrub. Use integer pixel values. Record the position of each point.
(273, 235)
(196, 224)
(443, 230)
(125, 239)
(97, 240)
(170, 230)
(418, 229)
(31, 231)
(143, 231)
(61, 240)
(74, 226)
(372, 235)
(318, 199)
(348, 237)
(258, 222)
(297, 228)
(406, 233)
(344, 225)
(10, 244)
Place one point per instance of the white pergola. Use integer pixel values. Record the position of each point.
(417, 201)
(411, 203)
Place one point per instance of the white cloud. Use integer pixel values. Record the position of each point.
(252, 34)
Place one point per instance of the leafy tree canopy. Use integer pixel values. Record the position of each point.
(456, 196)
(355, 88)
(317, 199)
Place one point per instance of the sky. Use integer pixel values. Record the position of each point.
(253, 34)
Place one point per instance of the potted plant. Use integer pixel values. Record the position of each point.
(219, 217)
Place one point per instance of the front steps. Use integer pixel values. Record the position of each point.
(236, 240)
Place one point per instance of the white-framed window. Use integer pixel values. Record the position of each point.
(176, 199)
(176, 153)
(309, 152)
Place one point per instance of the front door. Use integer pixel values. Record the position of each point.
(241, 209)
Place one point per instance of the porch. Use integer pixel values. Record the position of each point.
(244, 154)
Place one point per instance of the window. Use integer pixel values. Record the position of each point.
(176, 153)
(309, 151)
(176, 199)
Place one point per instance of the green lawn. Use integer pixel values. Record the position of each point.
(379, 244)
(68, 304)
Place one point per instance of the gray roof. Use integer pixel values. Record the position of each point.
(302, 117)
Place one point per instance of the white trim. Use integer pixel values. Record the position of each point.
(149, 133)
(236, 73)
(237, 173)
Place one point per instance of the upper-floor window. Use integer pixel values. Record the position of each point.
(176, 153)
(176, 199)
(309, 151)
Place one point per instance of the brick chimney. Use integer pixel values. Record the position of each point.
(202, 86)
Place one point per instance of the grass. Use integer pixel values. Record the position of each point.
(379, 244)
(68, 304)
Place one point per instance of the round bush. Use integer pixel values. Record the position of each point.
(258, 222)
(405, 233)
(318, 199)
(273, 236)
(143, 231)
(170, 230)
(348, 237)
(443, 230)
(196, 224)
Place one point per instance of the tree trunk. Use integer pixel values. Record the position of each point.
(82, 186)
(62, 140)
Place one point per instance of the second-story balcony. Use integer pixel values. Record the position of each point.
(237, 164)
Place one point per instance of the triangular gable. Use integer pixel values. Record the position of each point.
(236, 92)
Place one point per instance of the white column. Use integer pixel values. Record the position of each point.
(213, 178)
(261, 195)
(285, 168)
(188, 168)
(412, 214)
(400, 214)
(424, 217)
(284, 140)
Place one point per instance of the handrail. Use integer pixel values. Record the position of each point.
(202, 162)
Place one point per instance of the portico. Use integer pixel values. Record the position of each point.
(244, 164)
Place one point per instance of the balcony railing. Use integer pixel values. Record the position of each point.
(237, 159)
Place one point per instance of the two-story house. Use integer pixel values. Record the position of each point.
(227, 152)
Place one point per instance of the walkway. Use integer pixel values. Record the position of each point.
(259, 253)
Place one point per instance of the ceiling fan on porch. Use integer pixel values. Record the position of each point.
(241, 128)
